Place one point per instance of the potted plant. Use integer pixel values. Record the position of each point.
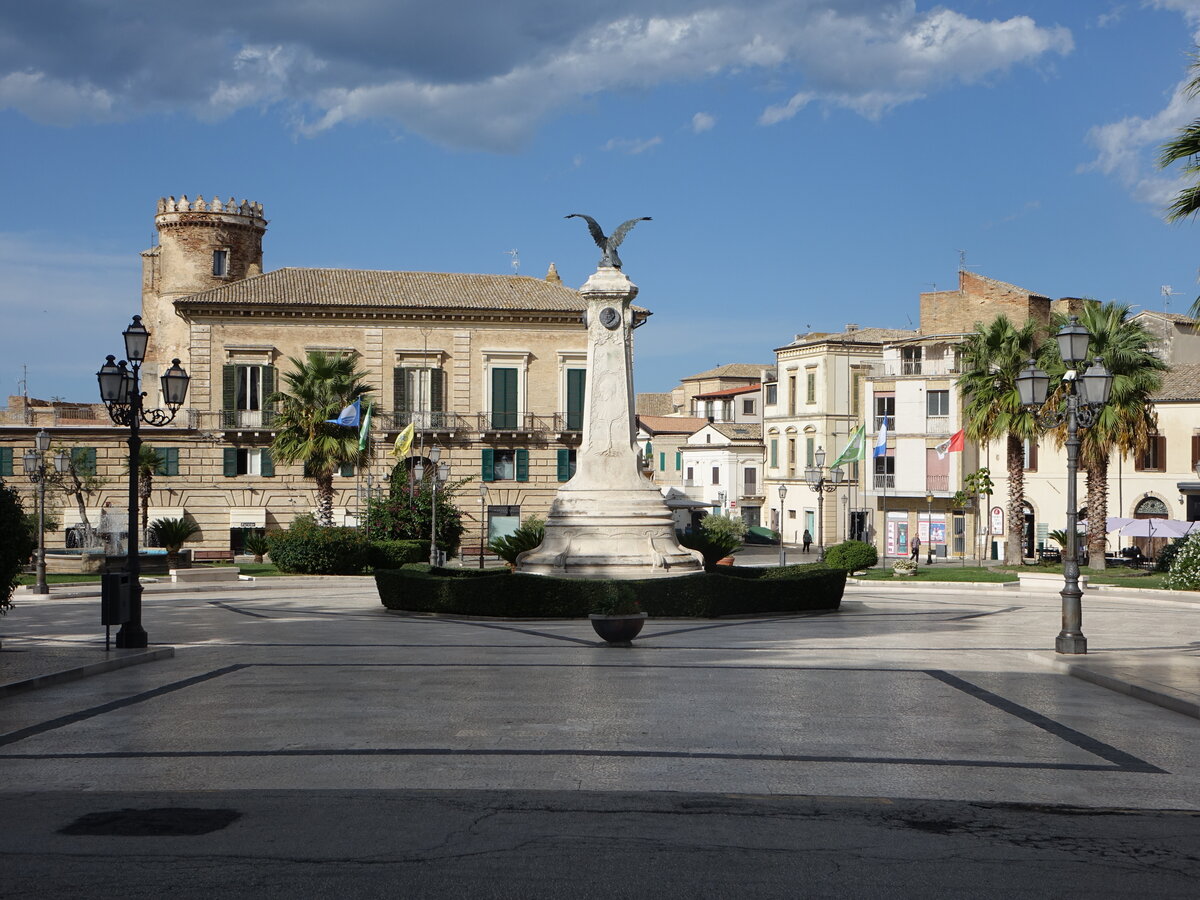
(617, 617)
(172, 533)
(902, 567)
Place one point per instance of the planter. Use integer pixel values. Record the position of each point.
(618, 631)
(726, 561)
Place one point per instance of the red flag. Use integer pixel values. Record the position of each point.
(952, 445)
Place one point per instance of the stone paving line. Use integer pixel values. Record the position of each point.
(1169, 679)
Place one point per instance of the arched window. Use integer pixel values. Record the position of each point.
(1150, 508)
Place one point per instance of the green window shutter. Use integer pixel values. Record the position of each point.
(230, 462)
(564, 464)
(266, 463)
(678, 460)
(269, 380)
(576, 382)
(168, 460)
(399, 390)
(346, 470)
(228, 387)
(6, 462)
(504, 398)
(488, 457)
(84, 459)
(774, 452)
(437, 390)
(649, 453)
(522, 464)
(662, 461)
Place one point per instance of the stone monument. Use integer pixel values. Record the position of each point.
(609, 521)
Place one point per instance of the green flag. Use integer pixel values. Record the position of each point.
(856, 449)
(365, 430)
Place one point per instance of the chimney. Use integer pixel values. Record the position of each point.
(851, 326)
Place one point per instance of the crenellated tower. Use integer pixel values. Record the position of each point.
(201, 245)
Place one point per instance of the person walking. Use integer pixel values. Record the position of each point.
(807, 539)
(916, 548)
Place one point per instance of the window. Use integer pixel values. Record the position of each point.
(1029, 456)
(83, 460)
(774, 453)
(856, 392)
(662, 461)
(791, 395)
(505, 404)
(576, 384)
(566, 463)
(168, 460)
(772, 391)
(791, 514)
(885, 405)
(504, 465)
(810, 387)
(220, 263)
(1155, 457)
(810, 451)
(247, 461)
(502, 521)
(419, 395)
(245, 388)
(910, 361)
(748, 407)
(885, 472)
(716, 474)
(678, 460)
(691, 475)
(791, 451)
(750, 477)
(937, 403)
(346, 470)
(6, 462)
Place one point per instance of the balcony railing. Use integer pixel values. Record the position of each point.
(383, 421)
(937, 482)
(885, 482)
(895, 367)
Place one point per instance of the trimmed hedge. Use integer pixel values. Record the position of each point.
(734, 591)
(851, 556)
(313, 550)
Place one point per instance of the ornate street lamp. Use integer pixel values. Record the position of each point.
(120, 389)
(38, 470)
(483, 529)
(782, 553)
(1085, 396)
(822, 481)
(440, 473)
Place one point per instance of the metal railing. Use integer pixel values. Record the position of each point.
(383, 421)
(885, 481)
(901, 367)
(937, 482)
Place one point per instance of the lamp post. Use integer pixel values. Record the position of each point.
(721, 501)
(440, 473)
(120, 389)
(928, 528)
(1085, 395)
(38, 470)
(782, 553)
(822, 481)
(483, 529)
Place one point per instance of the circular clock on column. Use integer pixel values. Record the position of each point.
(610, 318)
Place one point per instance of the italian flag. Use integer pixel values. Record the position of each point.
(953, 444)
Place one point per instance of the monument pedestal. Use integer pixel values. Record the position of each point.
(609, 521)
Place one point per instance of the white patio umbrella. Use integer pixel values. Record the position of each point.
(1156, 528)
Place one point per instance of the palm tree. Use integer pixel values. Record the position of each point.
(172, 533)
(1127, 422)
(319, 388)
(992, 358)
(1186, 146)
(150, 463)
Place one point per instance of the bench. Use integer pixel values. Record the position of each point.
(221, 573)
(212, 556)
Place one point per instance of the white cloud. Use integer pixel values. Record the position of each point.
(485, 75)
(702, 122)
(632, 146)
(1189, 8)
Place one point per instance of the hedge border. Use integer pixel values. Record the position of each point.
(735, 591)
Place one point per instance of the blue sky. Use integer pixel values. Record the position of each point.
(807, 163)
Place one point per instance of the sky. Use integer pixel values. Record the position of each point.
(806, 163)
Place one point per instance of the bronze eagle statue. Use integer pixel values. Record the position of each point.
(608, 244)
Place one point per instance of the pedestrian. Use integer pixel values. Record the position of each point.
(807, 540)
(916, 548)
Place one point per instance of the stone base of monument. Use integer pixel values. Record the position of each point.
(601, 533)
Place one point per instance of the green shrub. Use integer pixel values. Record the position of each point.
(717, 538)
(730, 591)
(1185, 570)
(527, 536)
(17, 543)
(405, 515)
(257, 544)
(173, 534)
(622, 601)
(1166, 556)
(851, 556)
(310, 549)
(394, 554)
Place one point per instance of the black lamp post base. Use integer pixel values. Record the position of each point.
(1070, 643)
(132, 637)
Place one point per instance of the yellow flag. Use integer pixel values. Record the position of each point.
(403, 441)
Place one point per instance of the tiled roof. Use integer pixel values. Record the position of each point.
(654, 404)
(1180, 383)
(733, 370)
(739, 432)
(1170, 317)
(859, 335)
(729, 392)
(364, 287)
(672, 424)
(1007, 285)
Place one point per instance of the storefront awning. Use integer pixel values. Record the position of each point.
(248, 517)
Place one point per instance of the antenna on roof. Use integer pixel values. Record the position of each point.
(962, 261)
(516, 260)
(1168, 292)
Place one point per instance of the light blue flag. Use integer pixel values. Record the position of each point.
(349, 416)
(881, 441)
